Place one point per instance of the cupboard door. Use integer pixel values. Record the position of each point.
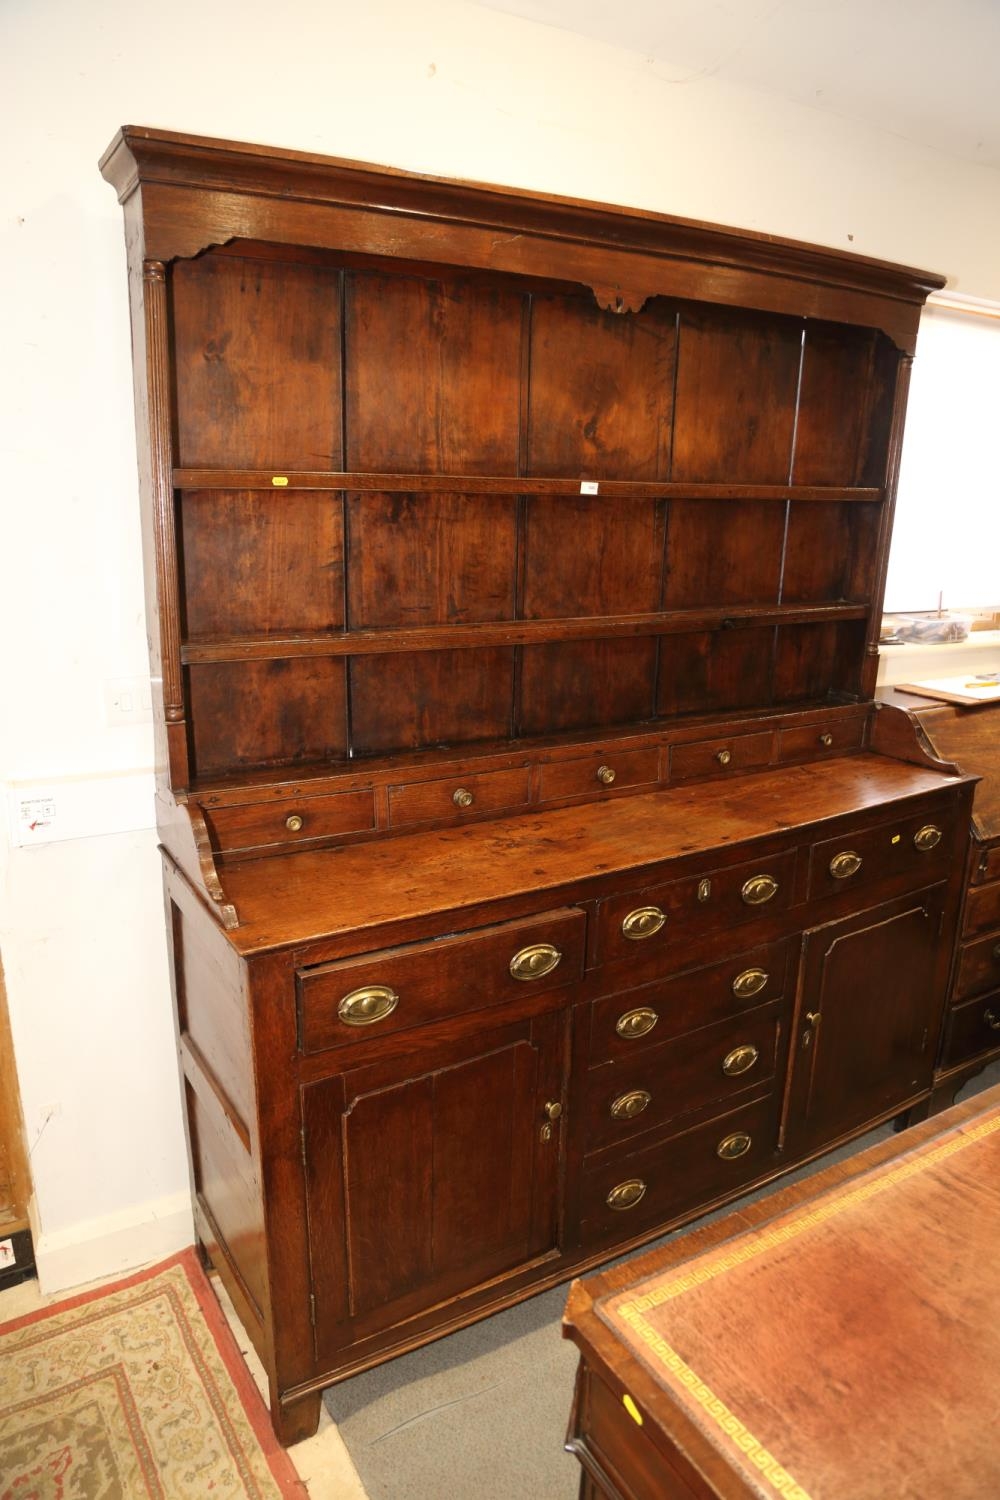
(429, 1175)
(873, 988)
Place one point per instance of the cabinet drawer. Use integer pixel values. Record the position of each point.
(717, 757)
(426, 801)
(631, 1024)
(253, 824)
(982, 909)
(971, 1028)
(917, 847)
(596, 773)
(820, 739)
(659, 918)
(624, 1099)
(361, 999)
(978, 966)
(678, 1174)
(987, 865)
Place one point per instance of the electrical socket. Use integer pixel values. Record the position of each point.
(127, 700)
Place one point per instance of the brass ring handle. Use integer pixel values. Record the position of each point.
(750, 983)
(992, 1018)
(758, 889)
(644, 922)
(636, 1023)
(723, 757)
(627, 1106)
(845, 864)
(462, 797)
(627, 1194)
(740, 1060)
(606, 775)
(366, 1006)
(826, 740)
(927, 837)
(535, 961)
(732, 1147)
(293, 822)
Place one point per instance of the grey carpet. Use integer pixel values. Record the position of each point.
(482, 1414)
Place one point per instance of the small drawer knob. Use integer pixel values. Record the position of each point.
(294, 822)
(992, 1018)
(462, 797)
(365, 1007)
(758, 889)
(643, 922)
(740, 1060)
(731, 1147)
(636, 1023)
(627, 1106)
(553, 1109)
(845, 864)
(750, 983)
(606, 775)
(535, 961)
(826, 740)
(627, 1194)
(723, 757)
(927, 837)
(996, 953)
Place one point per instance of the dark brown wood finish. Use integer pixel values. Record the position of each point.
(514, 567)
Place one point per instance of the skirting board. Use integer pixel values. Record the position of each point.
(97, 1248)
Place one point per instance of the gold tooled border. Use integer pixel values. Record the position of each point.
(749, 1247)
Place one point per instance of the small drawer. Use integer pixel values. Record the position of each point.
(970, 1029)
(626, 1098)
(918, 847)
(982, 909)
(633, 1190)
(739, 752)
(978, 966)
(371, 996)
(600, 773)
(292, 821)
(820, 739)
(430, 801)
(657, 919)
(987, 865)
(630, 1025)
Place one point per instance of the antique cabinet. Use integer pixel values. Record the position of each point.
(539, 868)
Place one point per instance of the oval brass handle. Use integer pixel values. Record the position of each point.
(643, 922)
(731, 1147)
(826, 740)
(606, 775)
(365, 1007)
(991, 1018)
(535, 961)
(462, 797)
(845, 864)
(627, 1194)
(758, 889)
(749, 983)
(627, 1106)
(927, 837)
(293, 823)
(723, 757)
(635, 1023)
(740, 1060)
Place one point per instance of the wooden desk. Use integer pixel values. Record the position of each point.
(838, 1341)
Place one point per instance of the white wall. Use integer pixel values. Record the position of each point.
(444, 87)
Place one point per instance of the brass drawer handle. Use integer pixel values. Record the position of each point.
(826, 740)
(462, 797)
(365, 1007)
(996, 953)
(749, 983)
(758, 889)
(927, 837)
(731, 1147)
(535, 961)
(991, 1018)
(845, 864)
(627, 1106)
(606, 775)
(740, 1060)
(627, 1194)
(723, 757)
(643, 922)
(293, 822)
(635, 1023)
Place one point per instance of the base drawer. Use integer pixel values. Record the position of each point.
(978, 966)
(970, 1029)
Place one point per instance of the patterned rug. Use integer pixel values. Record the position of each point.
(135, 1392)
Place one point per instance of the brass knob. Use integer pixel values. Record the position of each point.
(606, 775)
(758, 889)
(991, 1018)
(535, 961)
(627, 1194)
(826, 740)
(996, 952)
(845, 864)
(740, 1060)
(723, 757)
(750, 983)
(462, 797)
(731, 1147)
(636, 1023)
(293, 823)
(627, 1106)
(553, 1109)
(643, 922)
(365, 1007)
(927, 837)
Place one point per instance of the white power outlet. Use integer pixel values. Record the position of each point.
(127, 700)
